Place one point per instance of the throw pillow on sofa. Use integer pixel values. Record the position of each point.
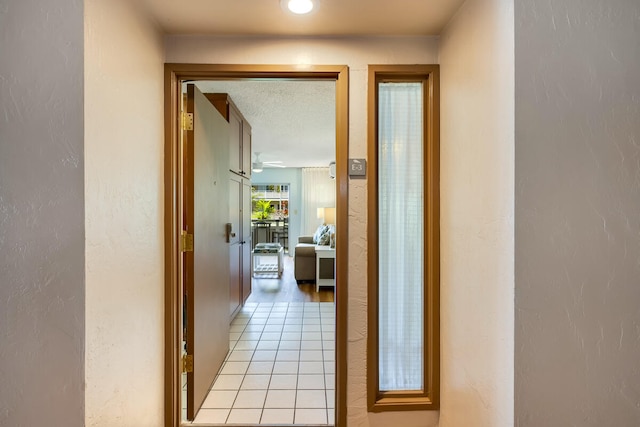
(325, 237)
(319, 232)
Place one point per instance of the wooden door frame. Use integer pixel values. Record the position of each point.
(174, 73)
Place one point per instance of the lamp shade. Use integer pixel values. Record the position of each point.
(329, 215)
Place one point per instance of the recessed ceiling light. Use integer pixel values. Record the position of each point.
(299, 7)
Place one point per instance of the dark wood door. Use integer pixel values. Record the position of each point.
(235, 149)
(246, 240)
(230, 112)
(235, 250)
(206, 268)
(246, 149)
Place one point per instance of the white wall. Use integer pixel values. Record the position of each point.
(357, 53)
(124, 216)
(41, 213)
(577, 213)
(477, 215)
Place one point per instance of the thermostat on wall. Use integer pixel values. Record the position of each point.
(357, 167)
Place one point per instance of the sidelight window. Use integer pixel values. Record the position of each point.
(403, 238)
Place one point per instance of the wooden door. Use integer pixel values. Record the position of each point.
(246, 149)
(235, 249)
(206, 267)
(246, 240)
(230, 112)
(235, 149)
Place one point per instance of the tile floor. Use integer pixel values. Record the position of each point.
(280, 368)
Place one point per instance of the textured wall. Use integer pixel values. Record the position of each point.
(577, 213)
(124, 216)
(41, 213)
(357, 53)
(477, 173)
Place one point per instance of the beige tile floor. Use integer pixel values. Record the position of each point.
(280, 368)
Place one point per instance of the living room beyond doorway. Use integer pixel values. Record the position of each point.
(271, 289)
(175, 75)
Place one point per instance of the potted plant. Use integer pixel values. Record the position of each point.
(264, 209)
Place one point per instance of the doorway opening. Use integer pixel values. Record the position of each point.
(175, 76)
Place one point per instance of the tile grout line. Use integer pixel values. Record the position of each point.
(295, 400)
(243, 376)
(282, 316)
(270, 378)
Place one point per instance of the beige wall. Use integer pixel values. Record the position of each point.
(357, 54)
(123, 220)
(478, 231)
(123, 202)
(576, 210)
(577, 213)
(41, 214)
(124, 216)
(477, 217)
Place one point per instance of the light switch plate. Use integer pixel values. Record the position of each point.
(357, 167)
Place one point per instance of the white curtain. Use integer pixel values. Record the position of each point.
(401, 236)
(318, 191)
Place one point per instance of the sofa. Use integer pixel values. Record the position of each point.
(304, 260)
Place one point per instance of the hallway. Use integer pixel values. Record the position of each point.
(280, 369)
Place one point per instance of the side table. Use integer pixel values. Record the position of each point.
(324, 255)
(267, 250)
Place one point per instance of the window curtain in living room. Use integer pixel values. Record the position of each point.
(318, 191)
(401, 236)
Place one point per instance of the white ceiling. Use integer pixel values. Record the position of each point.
(294, 122)
(291, 121)
(332, 18)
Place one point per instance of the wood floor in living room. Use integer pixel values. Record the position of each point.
(268, 288)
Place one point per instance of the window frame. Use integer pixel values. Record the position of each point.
(429, 398)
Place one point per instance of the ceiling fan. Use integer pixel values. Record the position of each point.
(258, 165)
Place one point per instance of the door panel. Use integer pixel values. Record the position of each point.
(246, 240)
(246, 149)
(235, 153)
(235, 281)
(235, 250)
(235, 206)
(206, 268)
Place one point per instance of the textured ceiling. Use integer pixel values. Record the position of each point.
(291, 121)
(294, 122)
(333, 17)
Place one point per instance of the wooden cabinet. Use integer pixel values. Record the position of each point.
(235, 143)
(239, 200)
(246, 240)
(236, 299)
(246, 149)
(240, 135)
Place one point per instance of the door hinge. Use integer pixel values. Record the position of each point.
(186, 242)
(187, 363)
(187, 121)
